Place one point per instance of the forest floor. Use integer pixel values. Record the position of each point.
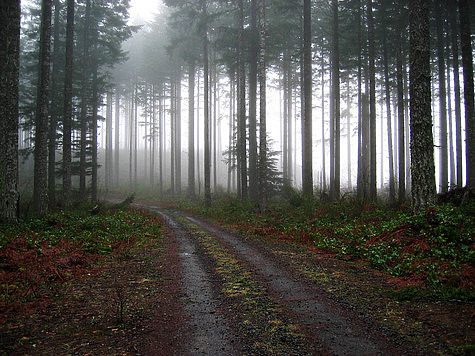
(185, 284)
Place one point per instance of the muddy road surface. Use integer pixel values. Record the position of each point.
(239, 298)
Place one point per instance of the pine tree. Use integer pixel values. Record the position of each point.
(307, 177)
(67, 108)
(422, 145)
(40, 192)
(9, 83)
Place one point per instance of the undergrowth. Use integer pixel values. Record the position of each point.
(39, 253)
(430, 251)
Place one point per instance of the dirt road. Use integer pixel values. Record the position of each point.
(269, 308)
(197, 288)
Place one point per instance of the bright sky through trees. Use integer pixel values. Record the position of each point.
(142, 11)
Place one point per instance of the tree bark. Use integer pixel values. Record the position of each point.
(261, 70)
(307, 174)
(335, 191)
(467, 62)
(443, 157)
(68, 105)
(40, 193)
(422, 144)
(178, 131)
(108, 165)
(84, 91)
(207, 156)
(117, 137)
(392, 187)
(253, 181)
(54, 99)
(455, 64)
(242, 104)
(372, 103)
(400, 107)
(191, 129)
(9, 112)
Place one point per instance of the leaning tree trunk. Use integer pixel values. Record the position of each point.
(422, 144)
(467, 62)
(9, 83)
(307, 177)
(68, 105)
(40, 193)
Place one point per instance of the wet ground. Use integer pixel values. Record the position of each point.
(335, 329)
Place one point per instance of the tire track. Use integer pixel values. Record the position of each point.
(210, 334)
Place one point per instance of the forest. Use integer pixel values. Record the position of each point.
(329, 141)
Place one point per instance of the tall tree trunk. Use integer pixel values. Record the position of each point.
(230, 130)
(285, 122)
(95, 108)
(160, 137)
(467, 63)
(324, 174)
(54, 99)
(359, 177)
(68, 105)
(207, 156)
(455, 64)
(242, 104)
(335, 191)
(261, 70)
(117, 137)
(372, 102)
(131, 138)
(84, 91)
(290, 149)
(108, 165)
(172, 135)
(178, 131)
(422, 144)
(40, 193)
(215, 126)
(452, 179)
(9, 83)
(135, 113)
(191, 129)
(400, 107)
(392, 187)
(253, 181)
(307, 174)
(198, 163)
(348, 130)
(443, 157)
(153, 135)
